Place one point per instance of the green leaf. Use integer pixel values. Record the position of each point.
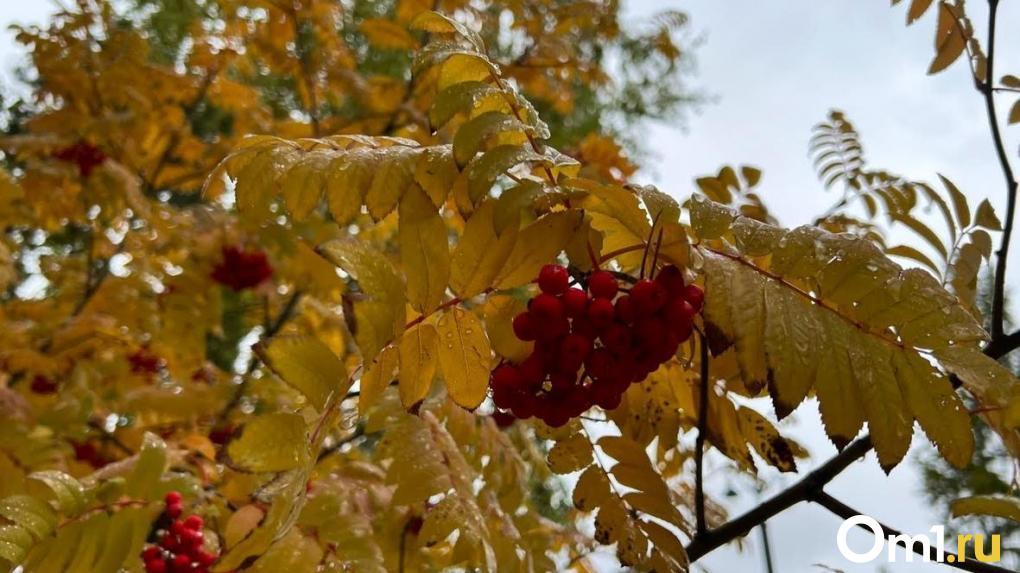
(69, 493)
(144, 480)
(30, 513)
(271, 443)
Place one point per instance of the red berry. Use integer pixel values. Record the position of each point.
(532, 370)
(502, 419)
(672, 279)
(625, 311)
(504, 398)
(694, 295)
(174, 510)
(553, 329)
(557, 415)
(553, 279)
(193, 538)
(606, 396)
(574, 349)
(181, 564)
(616, 337)
(601, 313)
(524, 326)
(546, 309)
(204, 557)
(155, 566)
(173, 497)
(241, 269)
(583, 326)
(178, 528)
(648, 297)
(151, 553)
(504, 377)
(43, 385)
(599, 363)
(683, 330)
(524, 408)
(602, 284)
(679, 310)
(562, 381)
(575, 302)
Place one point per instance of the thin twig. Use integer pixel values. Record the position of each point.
(699, 447)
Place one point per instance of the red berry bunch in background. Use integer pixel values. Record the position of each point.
(241, 269)
(143, 361)
(179, 545)
(83, 153)
(591, 346)
(43, 385)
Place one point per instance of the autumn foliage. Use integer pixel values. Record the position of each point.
(313, 285)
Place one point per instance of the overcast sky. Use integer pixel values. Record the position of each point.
(776, 68)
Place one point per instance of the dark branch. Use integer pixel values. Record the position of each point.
(699, 447)
(999, 293)
(951, 559)
(803, 490)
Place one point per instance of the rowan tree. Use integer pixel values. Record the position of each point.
(308, 285)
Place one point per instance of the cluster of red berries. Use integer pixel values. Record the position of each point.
(591, 346)
(180, 544)
(43, 385)
(241, 269)
(84, 154)
(143, 361)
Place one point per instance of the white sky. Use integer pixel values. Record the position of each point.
(776, 69)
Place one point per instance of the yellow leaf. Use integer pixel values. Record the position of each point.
(985, 217)
(464, 356)
(570, 454)
(381, 311)
(765, 440)
(308, 365)
(387, 34)
(591, 489)
(419, 357)
(537, 245)
(481, 254)
(483, 170)
(949, 40)
(1007, 507)
(500, 311)
(377, 378)
(392, 177)
(271, 443)
(424, 250)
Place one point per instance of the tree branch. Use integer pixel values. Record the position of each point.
(803, 490)
(285, 314)
(999, 293)
(951, 559)
(699, 447)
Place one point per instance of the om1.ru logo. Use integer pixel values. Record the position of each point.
(923, 544)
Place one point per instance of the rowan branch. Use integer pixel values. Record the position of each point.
(699, 447)
(803, 490)
(949, 558)
(999, 293)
